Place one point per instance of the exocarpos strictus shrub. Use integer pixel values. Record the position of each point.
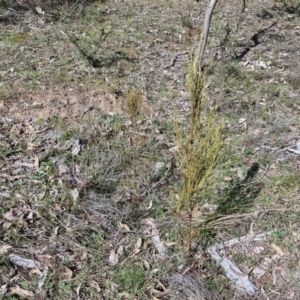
(197, 147)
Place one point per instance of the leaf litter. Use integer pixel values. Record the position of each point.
(45, 192)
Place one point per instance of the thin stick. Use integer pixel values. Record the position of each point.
(172, 64)
(207, 21)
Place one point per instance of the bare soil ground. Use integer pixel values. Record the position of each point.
(79, 184)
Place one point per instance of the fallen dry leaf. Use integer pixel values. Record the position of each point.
(138, 244)
(74, 194)
(11, 215)
(36, 271)
(3, 289)
(76, 147)
(170, 244)
(278, 250)
(258, 250)
(137, 247)
(161, 284)
(120, 250)
(256, 131)
(78, 290)
(296, 236)
(21, 292)
(67, 275)
(83, 255)
(36, 161)
(4, 249)
(227, 178)
(124, 295)
(47, 261)
(95, 285)
(146, 264)
(113, 258)
(124, 226)
(157, 292)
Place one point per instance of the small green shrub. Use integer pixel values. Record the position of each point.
(198, 147)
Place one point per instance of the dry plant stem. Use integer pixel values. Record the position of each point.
(207, 21)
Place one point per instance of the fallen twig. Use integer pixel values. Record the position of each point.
(175, 59)
(233, 273)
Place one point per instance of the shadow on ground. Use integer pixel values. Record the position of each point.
(240, 198)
